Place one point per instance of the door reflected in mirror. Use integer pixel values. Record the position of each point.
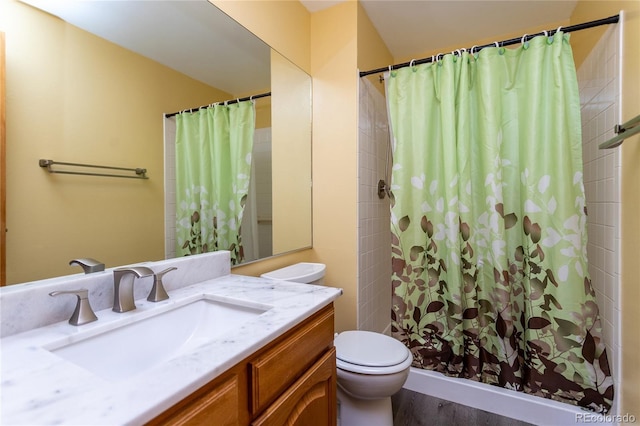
(91, 94)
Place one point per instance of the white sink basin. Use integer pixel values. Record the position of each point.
(135, 347)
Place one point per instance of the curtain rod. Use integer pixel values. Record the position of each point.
(610, 20)
(232, 101)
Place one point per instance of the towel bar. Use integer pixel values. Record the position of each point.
(140, 173)
(623, 131)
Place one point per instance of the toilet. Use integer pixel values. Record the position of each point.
(370, 366)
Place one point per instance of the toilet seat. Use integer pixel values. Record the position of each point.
(366, 352)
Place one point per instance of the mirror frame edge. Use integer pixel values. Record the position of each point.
(3, 162)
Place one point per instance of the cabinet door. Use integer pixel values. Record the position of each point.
(217, 406)
(311, 400)
(276, 368)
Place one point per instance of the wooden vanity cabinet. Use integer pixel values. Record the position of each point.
(216, 403)
(311, 400)
(290, 381)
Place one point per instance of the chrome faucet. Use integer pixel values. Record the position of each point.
(123, 297)
(88, 264)
(83, 313)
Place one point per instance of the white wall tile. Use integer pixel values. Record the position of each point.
(374, 237)
(598, 80)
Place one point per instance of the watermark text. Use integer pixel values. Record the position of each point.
(605, 418)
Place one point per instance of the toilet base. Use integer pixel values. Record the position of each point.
(361, 412)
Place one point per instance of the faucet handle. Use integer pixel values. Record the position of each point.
(158, 292)
(88, 264)
(83, 313)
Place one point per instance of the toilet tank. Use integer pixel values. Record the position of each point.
(307, 273)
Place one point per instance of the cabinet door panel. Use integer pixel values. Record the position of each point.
(218, 406)
(278, 367)
(309, 401)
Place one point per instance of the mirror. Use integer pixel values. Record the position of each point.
(80, 96)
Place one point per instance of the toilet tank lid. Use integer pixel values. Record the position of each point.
(303, 272)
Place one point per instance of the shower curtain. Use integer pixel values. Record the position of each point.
(489, 261)
(213, 170)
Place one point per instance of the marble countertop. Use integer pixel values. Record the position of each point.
(39, 388)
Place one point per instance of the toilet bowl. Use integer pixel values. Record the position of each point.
(370, 366)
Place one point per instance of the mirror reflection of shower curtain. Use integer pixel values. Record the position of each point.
(256, 234)
(213, 170)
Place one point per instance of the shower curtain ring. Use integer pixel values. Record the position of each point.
(523, 39)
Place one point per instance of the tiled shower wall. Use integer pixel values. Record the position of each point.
(599, 79)
(374, 235)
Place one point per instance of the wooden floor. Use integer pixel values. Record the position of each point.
(415, 409)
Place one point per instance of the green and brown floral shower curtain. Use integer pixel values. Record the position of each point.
(490, 278)
(213, 170)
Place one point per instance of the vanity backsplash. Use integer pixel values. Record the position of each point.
(27, 306)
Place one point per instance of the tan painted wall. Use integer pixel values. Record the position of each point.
(582, 43)
(372, 51)
(335, 89)
(74, 97)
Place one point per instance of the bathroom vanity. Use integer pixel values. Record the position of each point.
(259, 351)
(293, 378)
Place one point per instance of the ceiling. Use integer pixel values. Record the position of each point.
(410, 27)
